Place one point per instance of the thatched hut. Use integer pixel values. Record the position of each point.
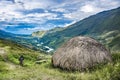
(80, 53)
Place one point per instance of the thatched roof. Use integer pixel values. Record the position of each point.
(80, 53)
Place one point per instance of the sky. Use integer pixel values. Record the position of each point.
(27, 16)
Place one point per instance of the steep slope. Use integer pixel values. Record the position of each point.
(111, 39)
(42, 33)
(38, 34)
(10, 52)
(92, 26)
(115, 43)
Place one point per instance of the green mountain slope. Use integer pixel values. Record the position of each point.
(11, 51)
(115, 43)
(38, 34)
(92, 26)
(111, 40)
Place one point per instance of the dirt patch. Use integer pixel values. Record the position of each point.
(2, 51)
(11, 66)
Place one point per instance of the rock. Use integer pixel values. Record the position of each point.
(41, 61)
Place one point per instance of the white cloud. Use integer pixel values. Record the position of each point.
(42, 15)
(73, 10)
(91, 7)
(76, 16)
(39, 18)
(87, 8)
(32, 4)
(33, 29)
(59, 10)
(8, 11)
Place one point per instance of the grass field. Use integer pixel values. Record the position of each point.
(43, 70)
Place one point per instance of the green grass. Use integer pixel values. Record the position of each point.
(46, 71)
(11, 70)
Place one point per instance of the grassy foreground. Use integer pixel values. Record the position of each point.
(10, 69)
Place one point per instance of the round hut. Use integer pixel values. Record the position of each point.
(80, 53)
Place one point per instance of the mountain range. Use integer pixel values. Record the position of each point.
(104, 26)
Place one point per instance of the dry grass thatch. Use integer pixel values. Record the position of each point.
(80, 53)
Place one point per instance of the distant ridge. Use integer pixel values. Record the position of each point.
(93, 26)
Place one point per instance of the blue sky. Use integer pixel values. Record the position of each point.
(27, 16)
